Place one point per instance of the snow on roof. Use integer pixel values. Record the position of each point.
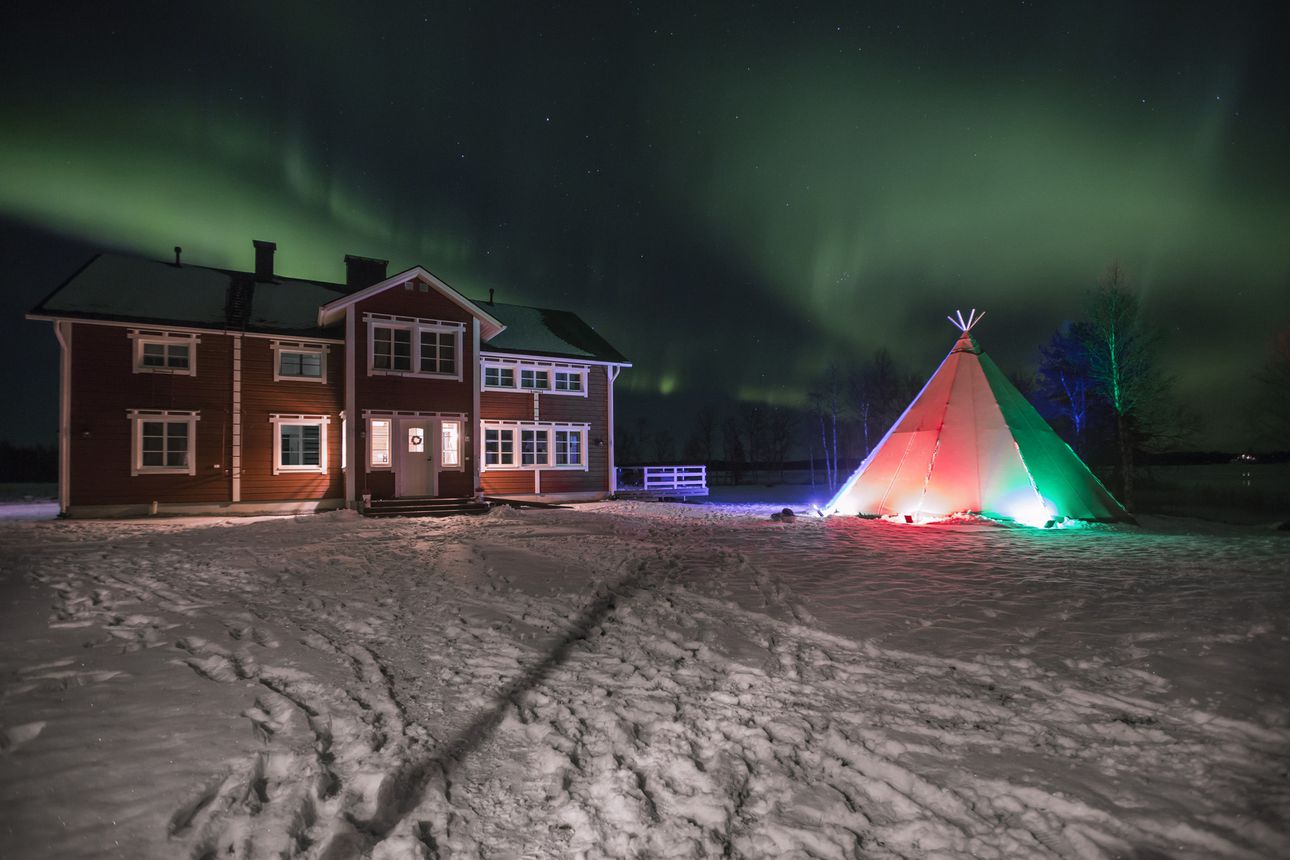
(543, 331)
(124, 288)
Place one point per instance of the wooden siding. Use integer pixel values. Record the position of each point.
(506, 482)
(392, 392)
(105, 387)
(592, 410)
(262, 397)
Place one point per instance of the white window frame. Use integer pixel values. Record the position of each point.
(280, 421)
(582, 449)
(372, 465)
(461, 435)
(573, 373)
(510, 368)
(166, 339)
(318, 349)
(550, 427)
(137, 417)
(515, 447)
(550, 368)
(414, 326)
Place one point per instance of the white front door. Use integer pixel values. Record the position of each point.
(417, 473)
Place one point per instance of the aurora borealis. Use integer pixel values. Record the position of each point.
(734, 195)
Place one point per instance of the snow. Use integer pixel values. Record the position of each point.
(635, 679)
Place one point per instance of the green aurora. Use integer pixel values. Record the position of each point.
(735, 200)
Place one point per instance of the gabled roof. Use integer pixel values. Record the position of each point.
(332, 312)
(547, 332)
(120, 288)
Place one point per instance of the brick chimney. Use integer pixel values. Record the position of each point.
(264, 260)
(362, 272)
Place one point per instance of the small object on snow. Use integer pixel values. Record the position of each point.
(784, 516)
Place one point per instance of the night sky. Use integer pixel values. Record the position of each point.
(733, 195)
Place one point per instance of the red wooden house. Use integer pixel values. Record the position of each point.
(193, 389)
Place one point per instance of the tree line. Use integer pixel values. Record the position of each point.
(1099, 383)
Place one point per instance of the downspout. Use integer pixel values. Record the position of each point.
(64, 336)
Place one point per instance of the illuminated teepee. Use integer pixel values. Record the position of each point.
(971, 443)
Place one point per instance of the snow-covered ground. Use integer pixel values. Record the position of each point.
(642, 680)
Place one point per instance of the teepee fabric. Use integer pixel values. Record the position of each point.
(971, 443)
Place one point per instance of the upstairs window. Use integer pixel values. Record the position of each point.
(163, 442)
(439, 352)
(415, 347)
(538, 380)
(568, 380)
(162, 352)
(499, 377)
(391, 348)
(296, 361)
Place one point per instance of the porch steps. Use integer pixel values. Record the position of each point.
(425, 506)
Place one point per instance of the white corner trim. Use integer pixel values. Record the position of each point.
(63, 332)
(352, 467)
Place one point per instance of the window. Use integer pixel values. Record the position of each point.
(568, 447)
(533, 447)
(163, 352)
(299, 362)
(299, 443)
(413, 346)
(541, 445)
(439, 352)
(450, 444)
(538, 380)
(499, 447)
(163, 442)
(568, 380)
(391, 348)
(416, 440)
(499, 377)
(378, 432)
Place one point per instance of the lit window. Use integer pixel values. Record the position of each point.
(379, 439)
(535, 379)
(391, 348)
(499, 447)
(450, 443)
(533, 445)
(163, 442)
(499, 377)
(568, 448)
(165, 353)
(300, 443)
(568, 381)
(416, 440)
(439, 352)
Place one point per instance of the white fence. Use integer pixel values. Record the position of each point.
(656, 482)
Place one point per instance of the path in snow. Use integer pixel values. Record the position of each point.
(632, 680)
